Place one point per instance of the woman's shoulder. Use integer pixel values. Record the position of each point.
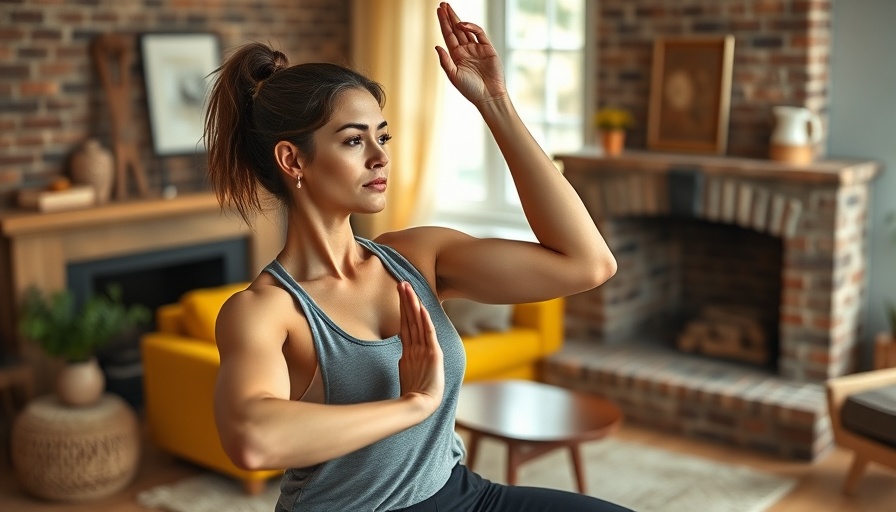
(259, 316)
(421, 246)
(262, 300)
(419, 239)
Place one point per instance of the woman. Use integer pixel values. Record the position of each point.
(338, 361)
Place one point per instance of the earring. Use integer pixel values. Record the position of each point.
(299, 181)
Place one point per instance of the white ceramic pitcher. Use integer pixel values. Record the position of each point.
(796, 126)
(796, 131)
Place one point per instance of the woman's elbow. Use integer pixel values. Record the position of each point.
(244, 450)
(600, 271)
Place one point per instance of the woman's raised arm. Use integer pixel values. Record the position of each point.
(571, 255)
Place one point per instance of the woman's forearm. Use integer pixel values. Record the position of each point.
(277, 434)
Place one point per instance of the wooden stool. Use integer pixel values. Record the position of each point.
(533, 419)
(75, 453)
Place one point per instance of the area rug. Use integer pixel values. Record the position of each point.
(641, 477)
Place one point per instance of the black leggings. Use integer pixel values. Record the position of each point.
(466, 491)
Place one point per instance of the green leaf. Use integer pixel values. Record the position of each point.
(74, 334)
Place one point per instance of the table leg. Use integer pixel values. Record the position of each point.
(577, 466)
(514, 459)
(472, 446)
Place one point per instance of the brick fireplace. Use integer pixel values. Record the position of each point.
(695, 232)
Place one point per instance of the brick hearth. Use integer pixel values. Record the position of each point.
(710, 399)
(814, 220)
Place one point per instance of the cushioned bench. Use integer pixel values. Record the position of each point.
(872, 413)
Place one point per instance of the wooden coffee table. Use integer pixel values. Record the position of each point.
(533, 419)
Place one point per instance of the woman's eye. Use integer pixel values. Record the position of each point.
(354, 141)
(385, 138)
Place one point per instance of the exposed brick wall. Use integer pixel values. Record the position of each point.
(50, 95)
(781, 57)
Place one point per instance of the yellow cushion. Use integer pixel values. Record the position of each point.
(169, 319)
(201, 308)
(495, 352)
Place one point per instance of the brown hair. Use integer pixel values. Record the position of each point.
(257, 101)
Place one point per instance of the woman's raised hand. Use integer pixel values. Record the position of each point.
(421, 370)
(470, 61)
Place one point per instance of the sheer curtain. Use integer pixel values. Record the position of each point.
(393, 43)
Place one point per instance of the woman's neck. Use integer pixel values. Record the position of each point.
(314, 249)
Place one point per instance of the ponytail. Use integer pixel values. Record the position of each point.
(258, 101)
(235, 164)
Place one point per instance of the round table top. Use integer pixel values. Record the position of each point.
(531, 411)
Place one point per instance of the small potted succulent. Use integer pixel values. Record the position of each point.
(74, 334)
(611, 123)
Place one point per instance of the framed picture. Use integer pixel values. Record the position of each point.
(176, 68)
(690, 94)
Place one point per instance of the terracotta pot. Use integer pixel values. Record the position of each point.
(612, 141)
(92, 164)
(80, 383)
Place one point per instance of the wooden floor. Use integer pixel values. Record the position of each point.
(818, 487)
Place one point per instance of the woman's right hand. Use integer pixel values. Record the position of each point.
(421, 369)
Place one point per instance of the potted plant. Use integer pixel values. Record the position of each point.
(611, 123)
(74, 334)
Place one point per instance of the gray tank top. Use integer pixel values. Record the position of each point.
(402, 469)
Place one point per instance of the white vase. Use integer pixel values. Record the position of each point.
(80, 383)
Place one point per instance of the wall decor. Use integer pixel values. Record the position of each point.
(690, 94)
(177, 68)
(113, 55)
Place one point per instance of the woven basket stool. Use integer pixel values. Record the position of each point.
(74, 454)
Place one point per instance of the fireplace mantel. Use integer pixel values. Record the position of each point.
(829, 171)
(35, 248)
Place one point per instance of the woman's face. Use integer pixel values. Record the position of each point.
(351, 164)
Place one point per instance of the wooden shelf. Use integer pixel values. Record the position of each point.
(21, 222)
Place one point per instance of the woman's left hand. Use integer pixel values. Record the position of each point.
(471, 62)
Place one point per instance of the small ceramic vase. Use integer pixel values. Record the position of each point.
(80, 383)
(92, 164)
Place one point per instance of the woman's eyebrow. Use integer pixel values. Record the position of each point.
(360, 126)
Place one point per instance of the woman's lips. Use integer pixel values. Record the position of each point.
(378, 184)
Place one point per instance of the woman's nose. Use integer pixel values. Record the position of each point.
(379, 158)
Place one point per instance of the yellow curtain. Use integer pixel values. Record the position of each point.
(393, 42)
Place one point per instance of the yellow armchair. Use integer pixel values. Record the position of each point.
(180, 364)
(536, 331)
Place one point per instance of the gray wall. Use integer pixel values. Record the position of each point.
(863, 124)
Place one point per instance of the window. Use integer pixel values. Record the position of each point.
(542, 44)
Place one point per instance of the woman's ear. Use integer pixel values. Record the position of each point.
(288, 158)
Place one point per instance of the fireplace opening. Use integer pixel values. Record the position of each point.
(700, 287)
(730, 291)
(153, 279)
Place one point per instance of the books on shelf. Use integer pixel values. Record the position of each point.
(41, 199)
